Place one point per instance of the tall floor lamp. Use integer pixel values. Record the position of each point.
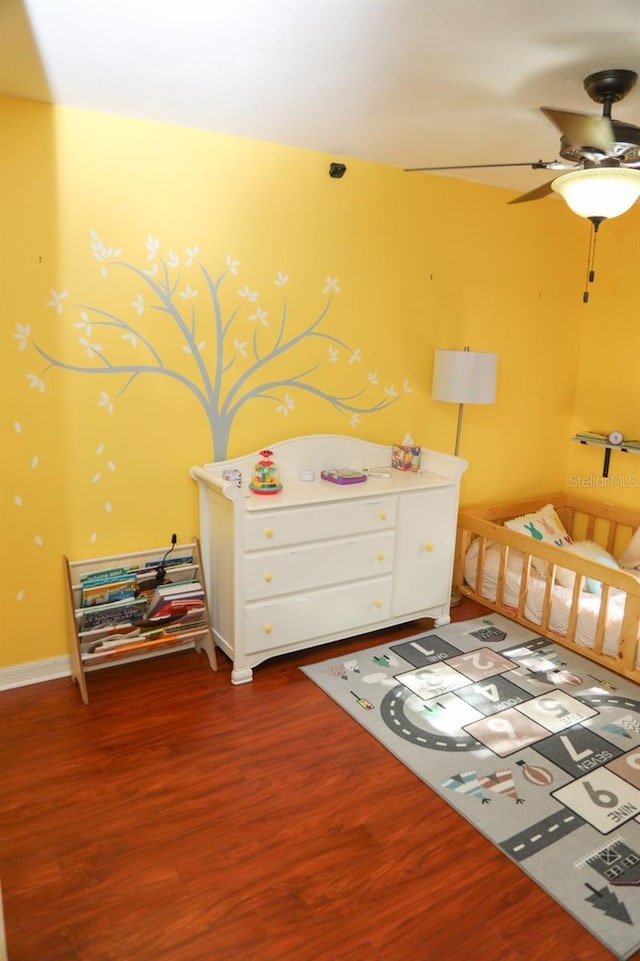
(464, 377)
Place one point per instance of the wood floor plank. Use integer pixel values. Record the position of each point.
(180, 818)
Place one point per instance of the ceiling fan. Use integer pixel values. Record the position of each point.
(594, 150)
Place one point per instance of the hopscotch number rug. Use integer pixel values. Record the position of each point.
(535, 746)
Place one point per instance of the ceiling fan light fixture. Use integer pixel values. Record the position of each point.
(601, 192)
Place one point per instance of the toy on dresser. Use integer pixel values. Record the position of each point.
(343, 475)
(266, 476)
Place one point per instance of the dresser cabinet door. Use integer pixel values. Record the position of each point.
(425, 540)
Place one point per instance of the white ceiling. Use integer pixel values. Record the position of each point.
(404, 82)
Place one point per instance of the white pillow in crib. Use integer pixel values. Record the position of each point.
(595, 553)
(630, 557)
(545, 526)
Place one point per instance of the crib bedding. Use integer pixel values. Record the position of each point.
(561, 599)
(512, 572)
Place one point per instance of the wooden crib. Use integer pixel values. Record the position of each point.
(481, 528)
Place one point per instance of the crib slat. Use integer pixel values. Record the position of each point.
(573, 610)
(546, 603)
(611, 536)
(480, 566)
(602, 619)
(502, 570)
(524, 584)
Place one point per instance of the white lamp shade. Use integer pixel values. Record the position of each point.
(465, 376)
(601, 192)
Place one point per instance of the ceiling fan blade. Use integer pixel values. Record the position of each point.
(537, 165)
(536, 194)
(583, 130)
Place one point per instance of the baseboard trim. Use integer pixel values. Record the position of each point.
(52, 668)
(34, 672)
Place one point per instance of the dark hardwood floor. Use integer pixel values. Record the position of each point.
(179, 818)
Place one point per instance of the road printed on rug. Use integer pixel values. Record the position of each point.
(514, 719)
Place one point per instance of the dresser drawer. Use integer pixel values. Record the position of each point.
(290, 620)
(266, 529)
(307, 566)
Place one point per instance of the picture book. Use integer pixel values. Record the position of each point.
(112, 614)
(105, 576)
(171, 561)
(106, 593)
(170, 599)
(175, 607)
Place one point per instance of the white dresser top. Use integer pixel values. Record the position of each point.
(321, 451)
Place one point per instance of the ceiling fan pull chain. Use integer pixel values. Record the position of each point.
(591, 257)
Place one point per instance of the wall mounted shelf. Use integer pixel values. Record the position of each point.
(607, 450)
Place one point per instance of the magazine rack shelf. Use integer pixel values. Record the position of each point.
(127, 607)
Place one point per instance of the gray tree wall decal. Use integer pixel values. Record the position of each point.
(237, 374)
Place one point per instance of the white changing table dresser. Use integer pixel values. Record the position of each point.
(320, 561)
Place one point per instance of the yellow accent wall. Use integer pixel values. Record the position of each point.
(608, 381)
(149, 272)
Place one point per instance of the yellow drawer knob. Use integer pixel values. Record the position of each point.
(268, 578)
(377, 602)
(383, 515)
(268, 628)
(268, 532)
(380, 556)
(428, 546)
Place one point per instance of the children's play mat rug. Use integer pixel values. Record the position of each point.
(537, 747)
